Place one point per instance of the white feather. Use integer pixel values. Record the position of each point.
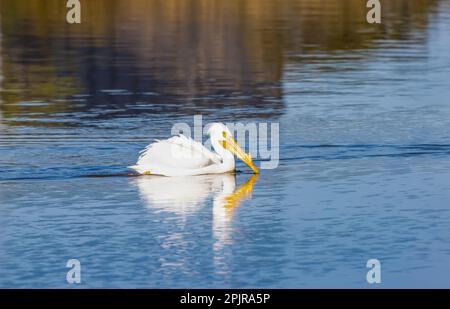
(176, 156)
(182, 156)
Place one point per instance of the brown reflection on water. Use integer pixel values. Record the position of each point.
(196, 54)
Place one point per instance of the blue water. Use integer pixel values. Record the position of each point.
(364, 169)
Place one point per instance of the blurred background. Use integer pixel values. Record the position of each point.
(195, 54)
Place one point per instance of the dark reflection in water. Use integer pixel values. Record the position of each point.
(134, 57)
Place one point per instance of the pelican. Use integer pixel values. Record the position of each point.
(182, 156)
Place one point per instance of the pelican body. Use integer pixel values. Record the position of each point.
(182, 156)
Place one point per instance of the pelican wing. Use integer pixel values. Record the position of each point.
(177, 152)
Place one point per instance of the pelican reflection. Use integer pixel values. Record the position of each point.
(224, 206)
(185, 195)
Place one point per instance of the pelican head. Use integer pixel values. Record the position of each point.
(226, 146)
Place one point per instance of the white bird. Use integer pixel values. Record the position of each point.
(182, 156)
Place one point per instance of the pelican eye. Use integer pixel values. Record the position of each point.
(224, 134)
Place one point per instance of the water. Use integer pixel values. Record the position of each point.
(364, 143)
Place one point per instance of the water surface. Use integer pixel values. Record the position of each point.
(364, 166)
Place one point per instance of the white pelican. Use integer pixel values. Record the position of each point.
(182, 156)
